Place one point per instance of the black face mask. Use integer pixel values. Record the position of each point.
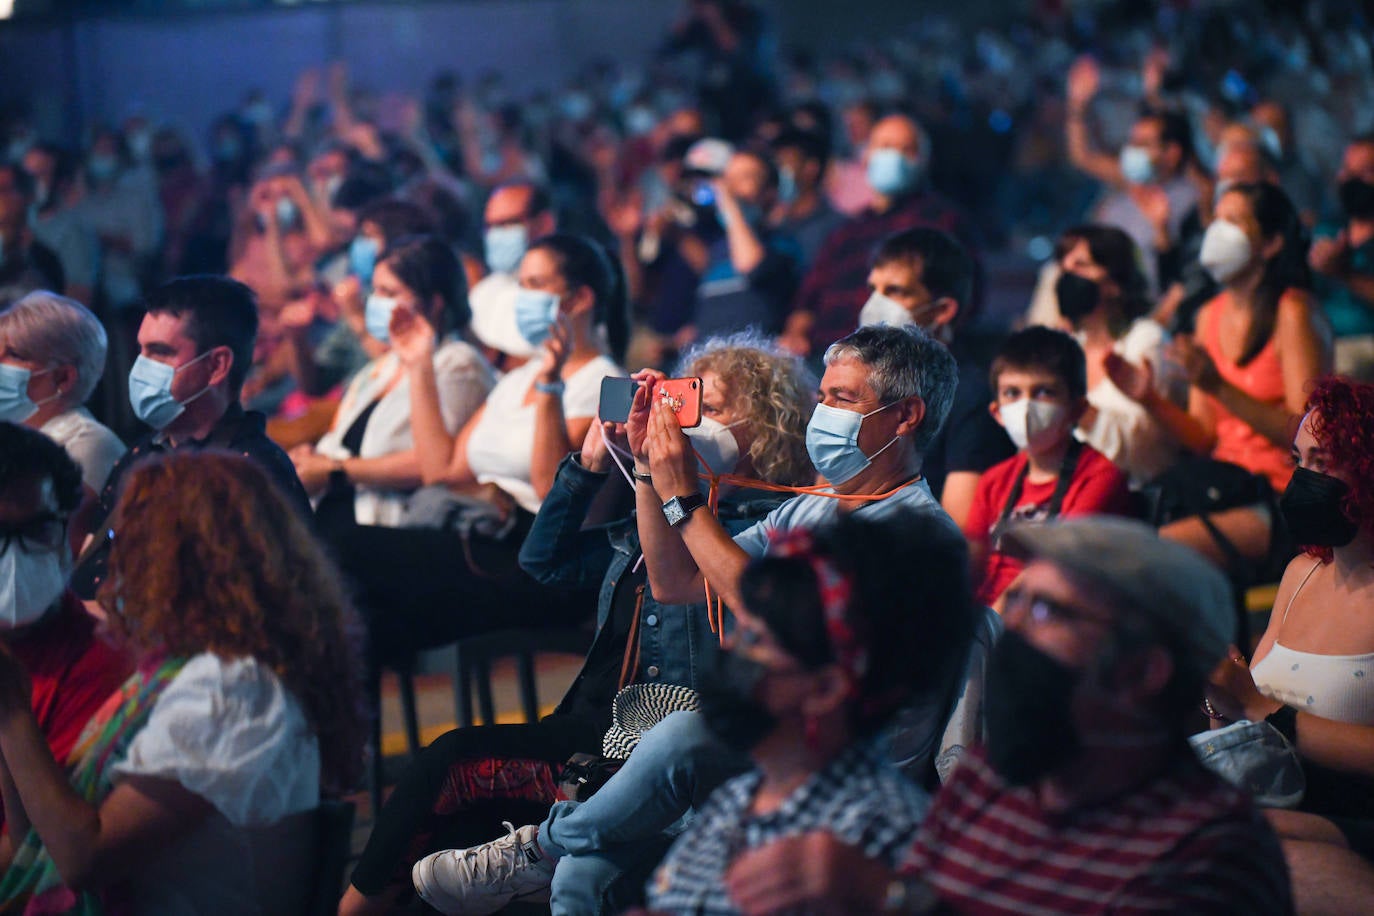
(1312, 508)
(1078, 296)
(728, 704)
(1357, 198)
(1027, 711)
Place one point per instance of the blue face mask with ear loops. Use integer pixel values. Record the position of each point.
(15, 404)
(832, 441)
(150, 391)
(535, 313)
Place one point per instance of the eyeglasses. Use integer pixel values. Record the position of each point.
(1042, 609)
(40, 534)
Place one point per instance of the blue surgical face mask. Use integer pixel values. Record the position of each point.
(101, 167)
(505, 246)
(890, 172)
(150, 391)
(377, 316)
(287, 212)
(832, 441)
(15, 404)
(1136, 166)
(362, 257)
(535, 312)
(787, 185)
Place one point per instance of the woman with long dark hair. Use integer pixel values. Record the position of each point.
(1258, 346)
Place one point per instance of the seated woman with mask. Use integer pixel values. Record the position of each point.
(1258, 346)
(1101, 296)
(453, 570)
(1312, 675)
(52, 354)
(822, 654)
(755, 405)
(192, 788)
(365, 467)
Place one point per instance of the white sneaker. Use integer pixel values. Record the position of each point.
(483, 879)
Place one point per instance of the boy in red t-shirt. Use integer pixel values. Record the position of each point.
(1039, 382)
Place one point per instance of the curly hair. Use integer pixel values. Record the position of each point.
(1340, 411)
(772, 390)
(210, 557)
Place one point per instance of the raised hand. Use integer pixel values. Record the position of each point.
(412, 337)
(1135, 382)
(1328, 256)
(1197, 364)
(637, 424)
(1084, 79)
(556, 351)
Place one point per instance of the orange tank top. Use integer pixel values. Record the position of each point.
(1261, 379)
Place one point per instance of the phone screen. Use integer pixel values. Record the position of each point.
(617, 396)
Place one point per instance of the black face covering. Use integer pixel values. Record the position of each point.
(1357, 198)
(1027, 709)
(1078, 296)
(1312, 508)
(728, 704)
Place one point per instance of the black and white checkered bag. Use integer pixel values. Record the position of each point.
(638, 708)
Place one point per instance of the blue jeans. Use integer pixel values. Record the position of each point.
(676, 765)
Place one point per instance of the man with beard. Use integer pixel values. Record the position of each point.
(1087, 797)
(1343, 257)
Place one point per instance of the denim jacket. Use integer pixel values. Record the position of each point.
(676, 642)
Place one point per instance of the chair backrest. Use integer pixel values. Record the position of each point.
(927, 738)
(333, 842)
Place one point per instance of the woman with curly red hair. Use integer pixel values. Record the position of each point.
(1312, 676)
(190, 790)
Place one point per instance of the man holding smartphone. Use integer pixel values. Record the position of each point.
(885, 393)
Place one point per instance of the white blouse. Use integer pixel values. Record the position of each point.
(229, 731)
(501, 448)
(463, 378)
(91, 444)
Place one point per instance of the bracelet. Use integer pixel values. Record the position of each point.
(638, 476)
(549, 387)
(1285, 722)
(1211, 710)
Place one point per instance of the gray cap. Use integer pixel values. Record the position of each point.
(1169, 583)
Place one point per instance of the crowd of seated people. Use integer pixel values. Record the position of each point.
(915, 617)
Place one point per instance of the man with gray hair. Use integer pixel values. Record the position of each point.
(52, 354)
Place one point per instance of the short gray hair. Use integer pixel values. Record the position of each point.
(51, 329)
(904, 362)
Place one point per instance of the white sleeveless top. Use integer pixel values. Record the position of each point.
(1336, 687)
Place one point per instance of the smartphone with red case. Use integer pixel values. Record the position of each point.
(684, 396)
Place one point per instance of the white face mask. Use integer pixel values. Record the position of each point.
(880, 309)
(1226, 251)
(29, 584)
(1031, 424)
(717, 449)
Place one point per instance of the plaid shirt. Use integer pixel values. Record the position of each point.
(859, 797)
(835, 288)
(1183, 843)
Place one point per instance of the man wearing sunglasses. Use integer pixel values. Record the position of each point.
(1087, 797)
(41, 622)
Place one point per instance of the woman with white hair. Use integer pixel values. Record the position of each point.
(52, 354)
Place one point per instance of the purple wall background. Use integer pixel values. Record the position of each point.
(186, 69)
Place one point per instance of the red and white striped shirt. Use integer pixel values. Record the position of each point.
(1185, 842)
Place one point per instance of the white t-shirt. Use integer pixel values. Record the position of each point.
(229, 731)
(501, 448)
(90, 443)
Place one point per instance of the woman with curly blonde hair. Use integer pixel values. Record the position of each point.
(756, 402)
(190, 790)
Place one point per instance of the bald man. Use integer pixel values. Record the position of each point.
(896, 160)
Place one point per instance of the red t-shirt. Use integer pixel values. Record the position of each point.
(1097, 487)
(72, 669)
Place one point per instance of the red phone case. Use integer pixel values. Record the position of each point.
(684, 394)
